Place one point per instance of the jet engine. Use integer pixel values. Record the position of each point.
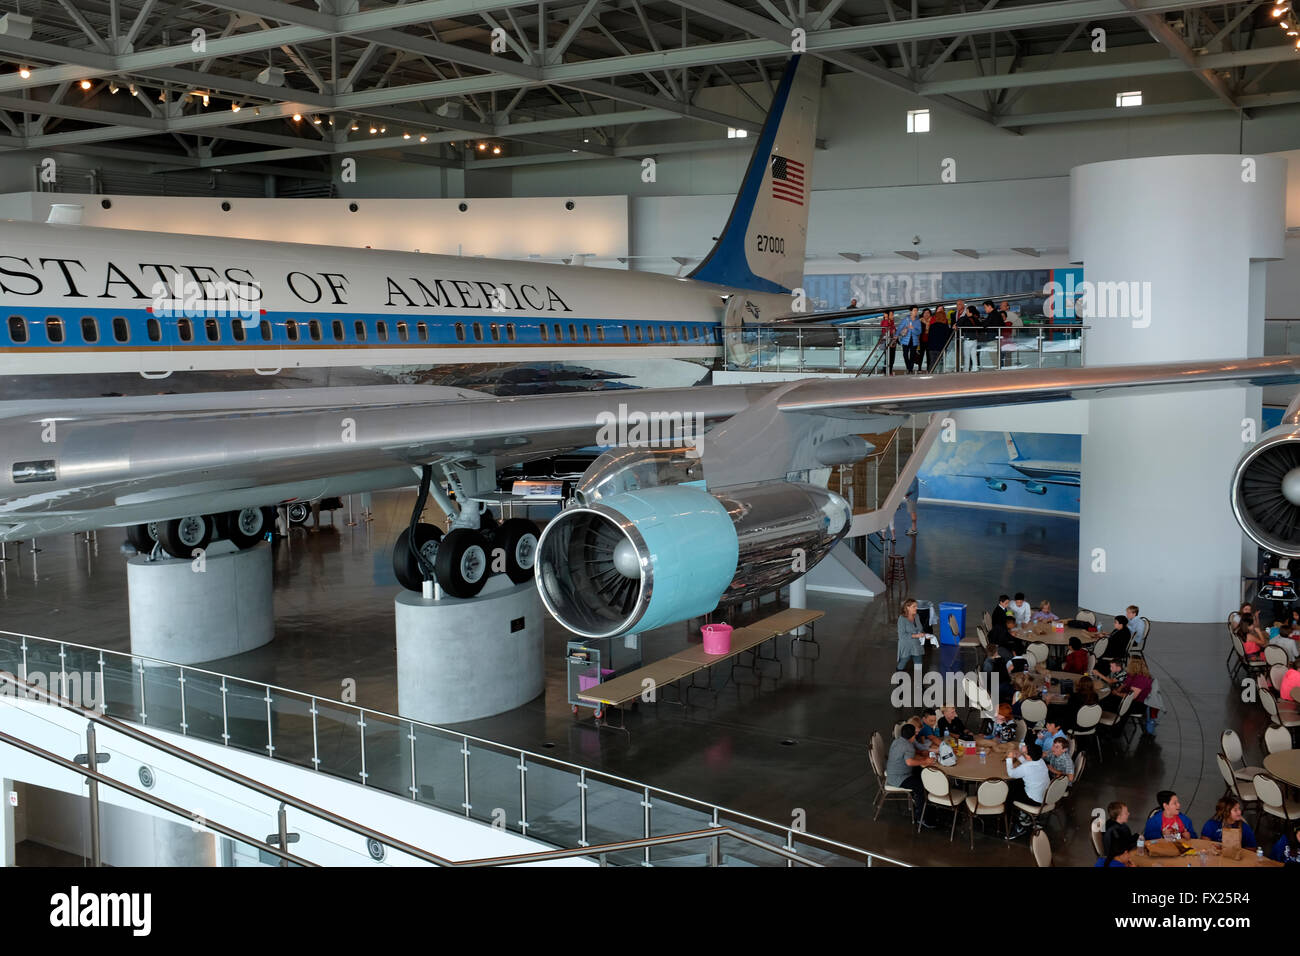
(638, 559)
(1266, 491)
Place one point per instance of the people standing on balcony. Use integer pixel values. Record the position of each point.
(938, 340)
(968, 324)
(992, 326)
(889, 335)
(909, 337)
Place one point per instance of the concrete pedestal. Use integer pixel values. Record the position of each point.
(461, 659)
(1182, 241)
(182, 614)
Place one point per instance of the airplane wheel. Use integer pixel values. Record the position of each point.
(246, 527)
(407, 570)
(518, 538)
(299, 512)
(142, 537)
(462, 563)
(180, 536)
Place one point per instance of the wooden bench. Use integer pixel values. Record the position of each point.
(627, 688)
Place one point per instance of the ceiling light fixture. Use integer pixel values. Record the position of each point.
(424, 139)
(297, 117)
(406, 136)
(482, 146)
(85, 84)
(496, 150)
(234, 107)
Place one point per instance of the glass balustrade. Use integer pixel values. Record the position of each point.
(550, 800)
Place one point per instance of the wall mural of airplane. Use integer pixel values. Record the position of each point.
(1035, 474)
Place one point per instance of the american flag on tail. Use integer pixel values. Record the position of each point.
(787, 179)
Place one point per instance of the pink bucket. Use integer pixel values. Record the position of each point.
(589, 680)
(717, 638)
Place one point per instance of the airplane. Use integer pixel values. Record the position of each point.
(659, 534)
(1035, 474)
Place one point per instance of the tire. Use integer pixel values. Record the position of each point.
(299, 512)
(142, 537)
(405, 568)
(246, 527)
(462, 563)
(518, 538)
(180, 536)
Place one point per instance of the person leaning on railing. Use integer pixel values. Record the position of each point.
(940, 332)
(969, 325)
(889, 336)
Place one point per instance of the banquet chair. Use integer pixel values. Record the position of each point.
(1042, 848)
(1039, 651)
(1275, 674)
(877, 753)
(1099, 649)
(1146, 637)
(1233, 649)
(1230, 744)
(1085, 725)
(1097, 831)
(965, 641)
(938, 791)
(1034, 712)
(1275, 803)
(987, 621)
(1116, 720)
(1274, 654)
(1055, 791)
(1276, 739)
(1252, 667)
(1079, 764)
(1089, 617)
(982, 636)
(1243, 790)
(1280, 715)
(989, 801)
(1022, 728)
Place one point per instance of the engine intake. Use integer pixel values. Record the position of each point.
(641, 559)
(1266, 492)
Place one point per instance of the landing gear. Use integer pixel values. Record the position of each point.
(462, 563)
(180, 536)
(245, 528)
(405, 566)
(518, 538)
(142, 537)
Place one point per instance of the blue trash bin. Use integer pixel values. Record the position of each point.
(952, 622)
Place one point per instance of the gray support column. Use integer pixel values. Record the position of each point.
(1183, 239)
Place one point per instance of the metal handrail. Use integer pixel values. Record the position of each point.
(578, 770)
(601, 849)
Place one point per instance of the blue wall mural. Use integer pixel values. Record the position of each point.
(832, 291)
(1005, 469)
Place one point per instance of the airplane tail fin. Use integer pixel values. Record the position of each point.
(763, 245)
(1013, 453)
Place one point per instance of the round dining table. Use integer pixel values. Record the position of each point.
(971, 769)
(1285, 766)
(1045, 632)
(1213, 857)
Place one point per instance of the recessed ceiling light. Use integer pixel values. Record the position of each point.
(24, 72)
(85, 84)
(297, 117)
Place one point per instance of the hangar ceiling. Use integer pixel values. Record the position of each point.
(279, 87)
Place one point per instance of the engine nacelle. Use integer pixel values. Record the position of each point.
(1266, 491)
(637, 560)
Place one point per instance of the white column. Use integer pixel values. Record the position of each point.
(8, 825)
(1189, 235)
(799, 597)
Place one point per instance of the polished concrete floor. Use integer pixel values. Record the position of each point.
(790, 747)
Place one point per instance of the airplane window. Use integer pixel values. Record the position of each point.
(478, 331)
(496, 332)
(403, 332)
(266, 330)
(460, 331)
(121, 331)
(637, 329)
(662, 337)
(546, 335)
(381, 328)
(54, 329)
(89, 330)
(626, 337)
(153, 328)
(186, 329)
(600, 332)
(337, 328)
(422, 331)
(291, 329)
(17, 329)
(510, 331)
(237, 330)
(683, 333)
(212, 330)
(573, 333)
(673, 330)
(586, 332)
(559, 333)
(313, 329)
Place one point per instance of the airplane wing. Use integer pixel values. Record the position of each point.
(150, 458)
